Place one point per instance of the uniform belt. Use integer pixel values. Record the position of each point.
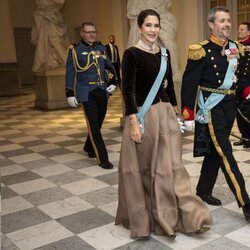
(97, 83)
(218, 91)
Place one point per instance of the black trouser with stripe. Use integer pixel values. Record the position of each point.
(221, 155)
(95, 110)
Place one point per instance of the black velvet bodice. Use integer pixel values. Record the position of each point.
(139, 70)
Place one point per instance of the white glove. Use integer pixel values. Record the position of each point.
(181, 124)
(72, 101)
(248, 97)
(111, 88)
(189, 125)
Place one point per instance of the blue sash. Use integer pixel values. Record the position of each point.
(204, 107)
(154, 89)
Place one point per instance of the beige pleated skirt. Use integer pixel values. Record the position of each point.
(154, 187)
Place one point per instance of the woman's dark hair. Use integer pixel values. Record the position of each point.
(144, 14)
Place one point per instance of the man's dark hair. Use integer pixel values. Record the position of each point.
(213, 11)
(86, 24)
(247, 24)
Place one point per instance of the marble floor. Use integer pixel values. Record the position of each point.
(55, 197)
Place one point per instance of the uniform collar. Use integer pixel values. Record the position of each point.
(87, 44)
(245, 41)
(217, 41)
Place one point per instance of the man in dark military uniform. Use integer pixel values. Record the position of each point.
(86, 71)
(243, 91)
(211, 70)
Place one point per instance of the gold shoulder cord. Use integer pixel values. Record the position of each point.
(78, 68)
(87, 66)
(71, 47)
(98, 69)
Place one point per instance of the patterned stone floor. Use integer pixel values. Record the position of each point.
(55, 197)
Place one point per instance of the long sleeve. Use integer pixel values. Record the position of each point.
(170, 87)
(70, 71)
(128, 82)
(70, 74)
(190, 82)
(139, 71)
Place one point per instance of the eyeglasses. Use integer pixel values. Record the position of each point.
(90, 32)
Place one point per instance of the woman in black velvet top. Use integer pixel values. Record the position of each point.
(154, 187)
(145, 66)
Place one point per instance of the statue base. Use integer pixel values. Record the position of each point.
(50, 89)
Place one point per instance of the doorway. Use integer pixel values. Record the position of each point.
(25, 54)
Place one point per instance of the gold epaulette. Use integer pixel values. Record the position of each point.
(241, 48)
(196, 51)
(73, 45)
(204, 42)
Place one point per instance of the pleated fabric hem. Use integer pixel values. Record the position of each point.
(154, 188)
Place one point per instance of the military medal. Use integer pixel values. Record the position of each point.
(223, 51)
(231, 53)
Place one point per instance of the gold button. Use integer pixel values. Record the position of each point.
(219, 81)
(215, 66)
(245, 73)
(212, 58)
(209, 50)
(217, 73)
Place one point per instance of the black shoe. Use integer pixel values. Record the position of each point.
(106, 165)
(246, 144)
(209, 199)
(239, 143)
(246, 212)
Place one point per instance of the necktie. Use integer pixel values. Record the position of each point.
(115, 54)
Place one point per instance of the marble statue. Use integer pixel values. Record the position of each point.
(49, 36)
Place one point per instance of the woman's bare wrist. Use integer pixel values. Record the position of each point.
(132, 117)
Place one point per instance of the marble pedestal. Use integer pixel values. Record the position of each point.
(50, 89)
